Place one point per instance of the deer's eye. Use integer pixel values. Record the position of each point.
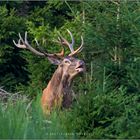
(67, 61)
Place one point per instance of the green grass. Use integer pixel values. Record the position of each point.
(24, 120)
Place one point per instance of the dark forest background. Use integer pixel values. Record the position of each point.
(107, 96)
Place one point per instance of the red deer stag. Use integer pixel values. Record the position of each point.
(58, 92)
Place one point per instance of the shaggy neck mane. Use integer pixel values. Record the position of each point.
(60, 88)
(60, 82)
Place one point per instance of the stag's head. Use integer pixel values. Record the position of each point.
(70, 65)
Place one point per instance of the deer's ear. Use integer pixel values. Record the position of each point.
(54, 60)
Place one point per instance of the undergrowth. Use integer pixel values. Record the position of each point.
(25, 120)
(94, 114)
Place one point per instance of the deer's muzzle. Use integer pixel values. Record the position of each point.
(81, 66)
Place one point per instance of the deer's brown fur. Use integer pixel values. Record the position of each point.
(58, 92)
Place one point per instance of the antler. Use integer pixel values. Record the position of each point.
(63, 41)
(23, 43)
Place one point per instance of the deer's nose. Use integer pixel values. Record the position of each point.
(81, 62)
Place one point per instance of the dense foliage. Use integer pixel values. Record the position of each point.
(107, 97)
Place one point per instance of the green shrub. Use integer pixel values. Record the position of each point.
(97, 115)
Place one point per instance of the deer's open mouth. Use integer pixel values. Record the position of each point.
(81, 68)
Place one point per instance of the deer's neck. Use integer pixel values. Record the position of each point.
(61, 82)
(58, 91)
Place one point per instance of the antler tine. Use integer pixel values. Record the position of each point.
(19, 45)
(79, 49)
(36, 42)
(20, 38)
(71, 45)
(23, 43)
(26, 38)
(15, 43)
(63, 41)
(60, 55)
